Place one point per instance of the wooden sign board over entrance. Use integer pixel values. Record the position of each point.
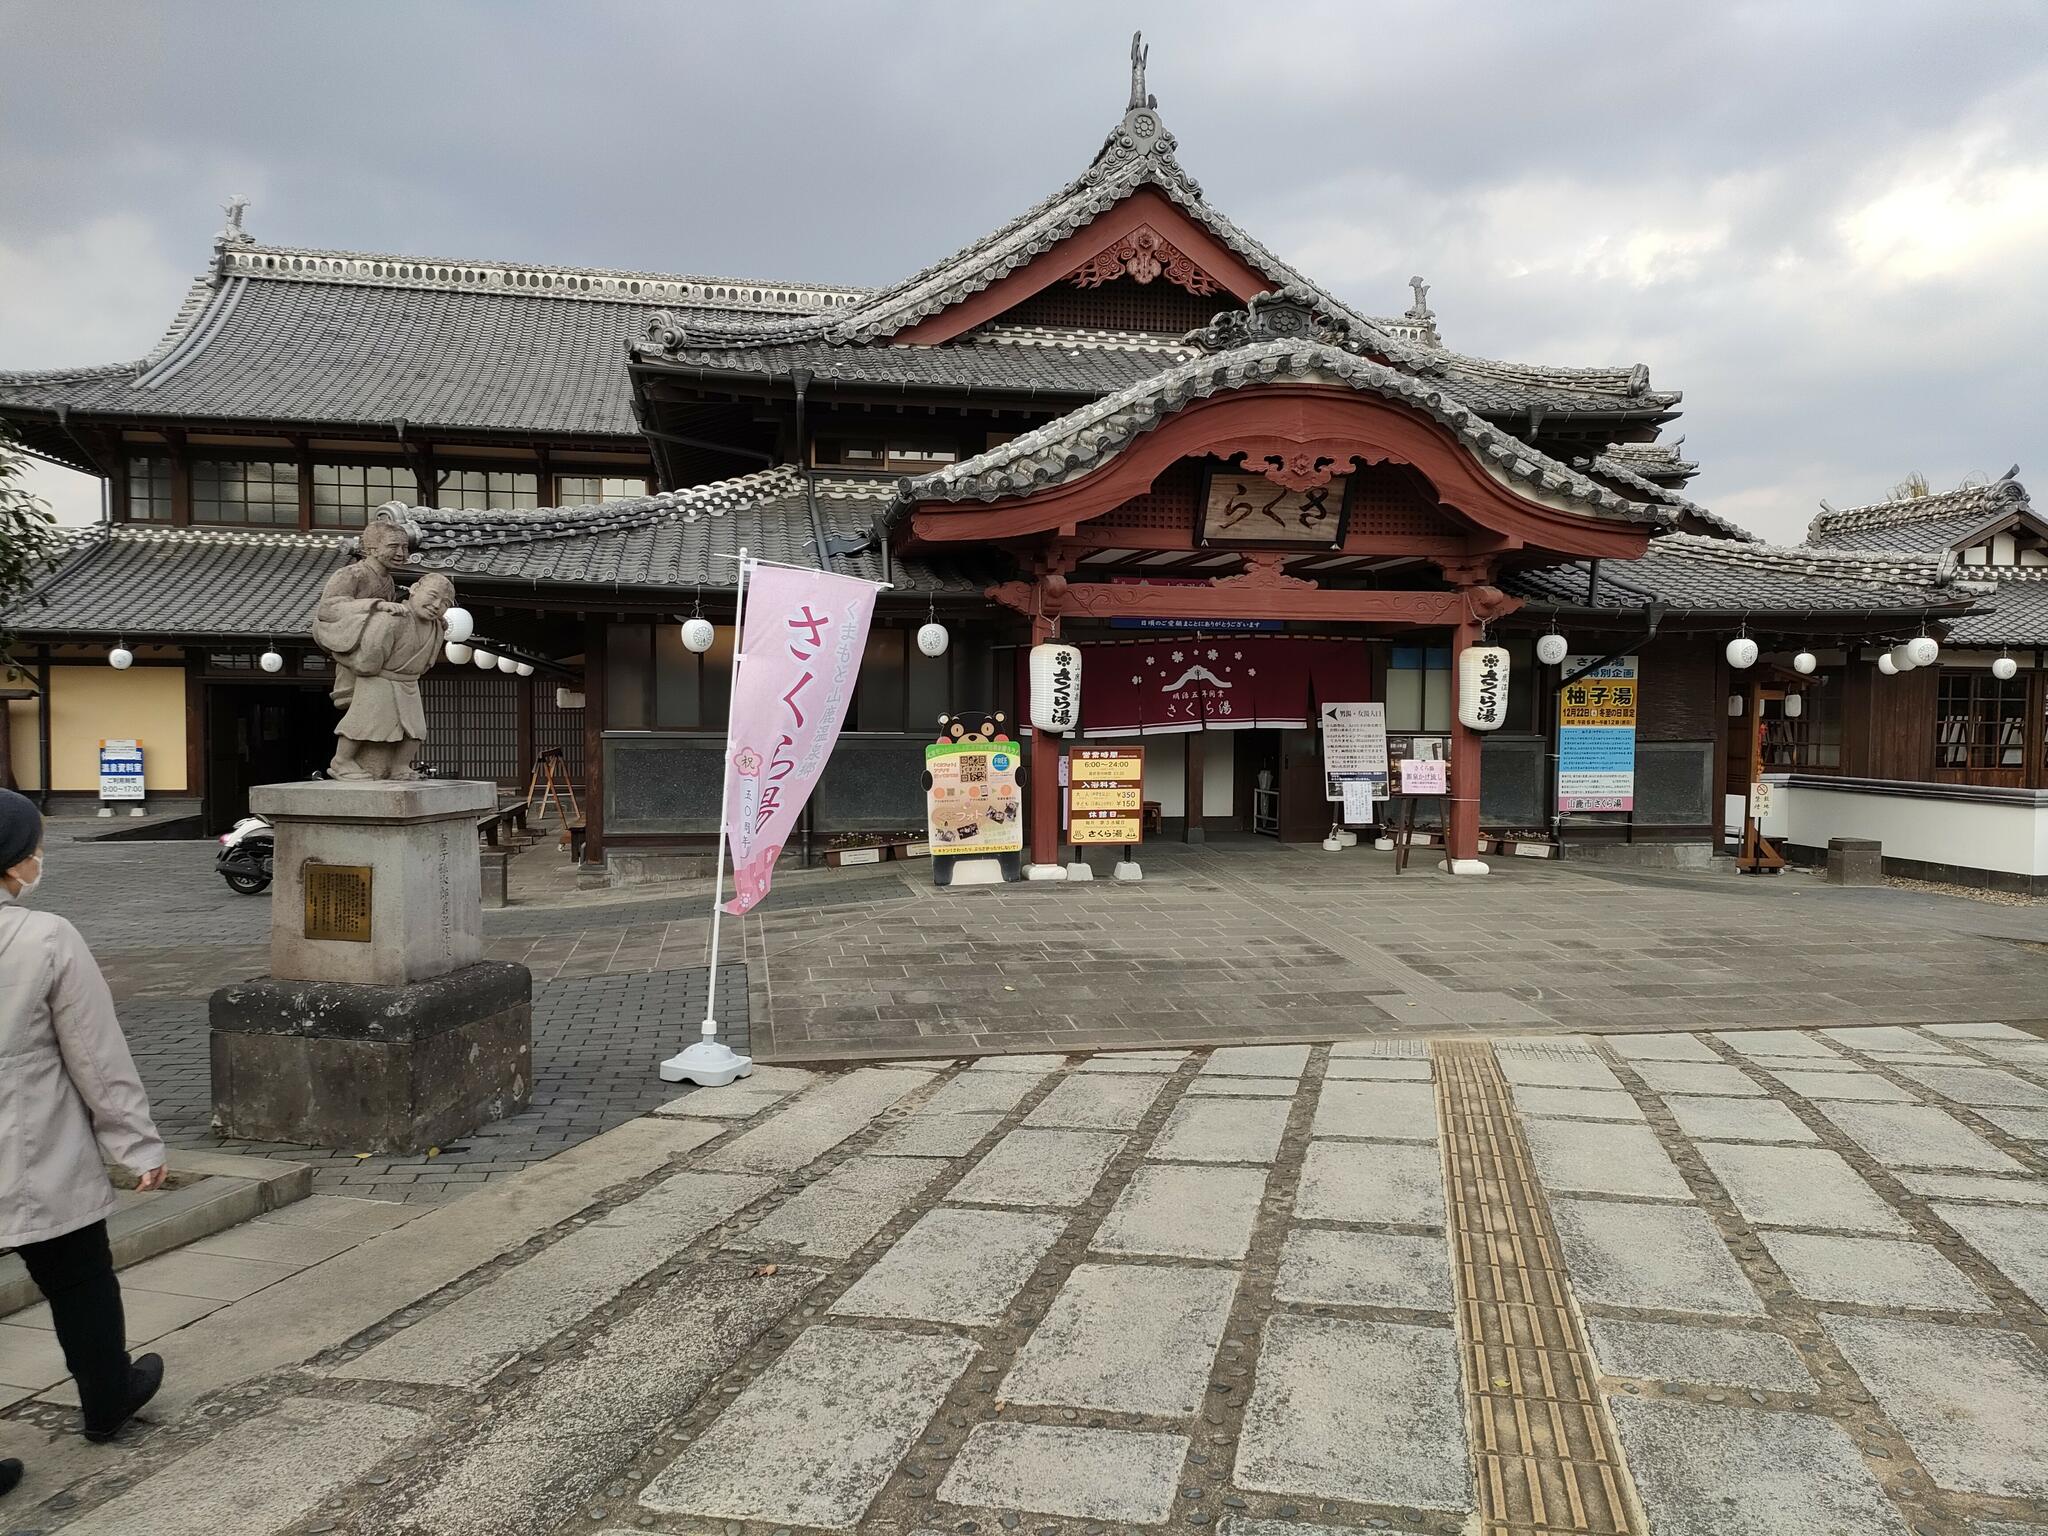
(1242, 509)
(1106, 796)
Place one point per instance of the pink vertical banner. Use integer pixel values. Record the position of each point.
(801, 641)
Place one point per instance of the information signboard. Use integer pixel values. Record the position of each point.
(121, 770)
(1596, 736)
(973, 805)
(1106, 799)
(1424, 776)
(1354, 747)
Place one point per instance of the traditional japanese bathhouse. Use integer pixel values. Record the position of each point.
(1119, 419)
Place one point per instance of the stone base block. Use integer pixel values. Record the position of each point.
(1855, 861)
(372, 1068)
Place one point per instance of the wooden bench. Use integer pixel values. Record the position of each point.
(572, 834)
(493, 826)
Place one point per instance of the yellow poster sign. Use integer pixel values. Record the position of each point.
(1106, 795)
(973, 805)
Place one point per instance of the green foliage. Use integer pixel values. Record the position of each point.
(29, 541)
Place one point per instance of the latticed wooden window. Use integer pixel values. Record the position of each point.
(149, 490)
(1980, 721)
(345, 494)
(251, 493)
(482, 490)
(589, 490)
(472, 726)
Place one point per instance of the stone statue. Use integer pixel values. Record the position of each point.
(379, 647)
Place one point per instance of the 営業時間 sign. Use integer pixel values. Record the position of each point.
(1106, 795)
(1596, 736)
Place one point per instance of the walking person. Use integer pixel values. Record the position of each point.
(70, 1102)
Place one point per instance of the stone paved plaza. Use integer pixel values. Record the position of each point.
(1770, 1281)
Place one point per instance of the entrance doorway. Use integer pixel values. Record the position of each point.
(1279, 779)
(261, 733)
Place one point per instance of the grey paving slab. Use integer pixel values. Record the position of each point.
(1533, 1069)
(1918, 1136)
(1844, 1087)
(1039, 1168)
(1126, 1338)
(1705, 1470)
(1243, 1087)
(1728, 1357)
(1383, 1183)
(1980, 1031)
(1799, 1187)
(1225, 1130)
(1140, 1063)
(1385, 1111)
(1104, 1102)
(1367, 1411)
(1319, 1265)
(1972, 1402)
(928, 1135)
(2013, 1238)
(1382, 1068)
(1088, 1474)
(1660, 1257)
(1175, 1211)
(469, 1340)
(2026, 1124)
(1978, 1085)
(982, 1093)
(735, 1101)
(1886, 1040)
(836, 1216)
(1019, 1063)
(1603, 1159)
(581, 1423)
(1708, 1119)
(1777, 1045)
(1577, 1104)
(259, 1476)
(1258, 1060)
(1659, 1047)
(954, 1267)
(1381, 1050)
(817, 1122)
(839, 1410)
(1976, 1186)
(1697, 1078)
(1872, 1271)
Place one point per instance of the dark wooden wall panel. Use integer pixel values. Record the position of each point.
(1678, 699)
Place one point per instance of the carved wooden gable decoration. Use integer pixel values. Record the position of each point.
(1143, 255)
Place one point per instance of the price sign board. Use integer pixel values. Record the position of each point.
(121, 770)
(1106, 797)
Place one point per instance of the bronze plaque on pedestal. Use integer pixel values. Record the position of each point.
(338, 902)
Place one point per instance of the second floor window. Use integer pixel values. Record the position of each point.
(252, 493)
(344, 495)
(481, 490)
(149, 490)
(588, 490)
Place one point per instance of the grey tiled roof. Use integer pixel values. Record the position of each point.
(1661, 462)
(1072, 445)
(200, 583)
(2018, 602)
(1081, 368)
(672, 540)
(1697, 573)
(1938, 521)
(1621, 472)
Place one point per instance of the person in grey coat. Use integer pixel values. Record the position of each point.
(70, 1102)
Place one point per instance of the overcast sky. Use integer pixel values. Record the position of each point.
(1826, 223)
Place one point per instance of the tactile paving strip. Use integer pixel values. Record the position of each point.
(1543, 1449)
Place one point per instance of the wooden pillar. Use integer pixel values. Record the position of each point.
(593, 741)
(1191, 785)
(1045, 775)
(181, 481)
(1461, 823)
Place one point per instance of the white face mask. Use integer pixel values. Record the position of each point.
(29, 885)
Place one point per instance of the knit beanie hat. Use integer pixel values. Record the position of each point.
(21, 828)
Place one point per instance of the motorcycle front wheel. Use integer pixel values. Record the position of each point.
(248, 885)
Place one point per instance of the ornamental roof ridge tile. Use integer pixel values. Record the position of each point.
(1071, 445)
(1604, 463)
(439, 527)
(1632, 380)
(2001, 496)
(1659, 456)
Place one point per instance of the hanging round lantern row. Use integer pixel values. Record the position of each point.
(270, 661)
(1552, 648)
(1483, 687)
(932, 638)
(2005, 669)
(1741, 653)
(1902, 658)
(1887, 666)
(1795, 706)
(507, 664)
(485, 660)
(698, 634)
(1923, 650)
(457, 653)
(1055, 687)
(459, 623)
(120, 658)
(1805, 663)
(525, 669)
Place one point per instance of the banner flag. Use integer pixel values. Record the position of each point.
(802, 638)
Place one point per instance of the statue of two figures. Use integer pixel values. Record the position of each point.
(380, 646)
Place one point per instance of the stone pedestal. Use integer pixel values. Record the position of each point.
(380, 1028)
(1855, 861)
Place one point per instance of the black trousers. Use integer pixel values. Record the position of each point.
(76, 1275)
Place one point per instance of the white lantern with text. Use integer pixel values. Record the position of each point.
(698, 635)
(932, 638)
(1055, 687)
(1483, 687)
(1924, 650)
(1552, 648)
(1741, 653)
(1805, 663)
(459, 624)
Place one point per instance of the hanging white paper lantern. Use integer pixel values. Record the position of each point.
(525, 669)
(457, 653)
(1805, 663)
(2005, 669)
(1482, 687)
(1795, 706)
(1887, 666)
(1552, 648)
(1923, 650)
(485, 660)
(1902, 658)
(1742, 653)
(459, 623)
(1055, 687)
(932, 639)
(698, 634)
(507, 664)
(1734, 706)
(270, 661)
(120, 658)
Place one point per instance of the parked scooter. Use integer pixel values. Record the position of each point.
(244, 860)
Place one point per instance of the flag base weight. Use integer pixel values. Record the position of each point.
(708, 1063)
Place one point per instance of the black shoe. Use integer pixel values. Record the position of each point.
(144, 1377)
(10, 1474)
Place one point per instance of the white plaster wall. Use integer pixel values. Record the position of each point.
(2013, 838)
(1219, 761)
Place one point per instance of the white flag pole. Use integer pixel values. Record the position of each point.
(709, 1061)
